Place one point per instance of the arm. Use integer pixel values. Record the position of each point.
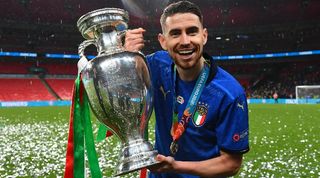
(224, 165)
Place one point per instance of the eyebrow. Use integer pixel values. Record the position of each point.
(191, 29)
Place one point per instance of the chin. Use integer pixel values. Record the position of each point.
(185, 66)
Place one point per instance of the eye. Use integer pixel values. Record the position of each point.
(192, 31)
(174, 33)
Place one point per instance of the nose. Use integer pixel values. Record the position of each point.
(184, 39)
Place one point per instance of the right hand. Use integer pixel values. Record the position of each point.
(134, 40)
(166, 164)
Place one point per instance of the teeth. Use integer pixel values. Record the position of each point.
(185, 52)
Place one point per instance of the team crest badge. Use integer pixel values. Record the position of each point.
(200, 115)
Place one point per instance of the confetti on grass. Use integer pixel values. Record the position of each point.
(37, 148)
(284, 142)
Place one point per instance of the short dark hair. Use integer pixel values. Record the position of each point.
(180, 7)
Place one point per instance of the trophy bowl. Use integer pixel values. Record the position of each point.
(118, 86)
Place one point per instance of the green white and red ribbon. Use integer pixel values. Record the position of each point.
(80, 136)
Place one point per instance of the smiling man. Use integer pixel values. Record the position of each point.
(200, 130)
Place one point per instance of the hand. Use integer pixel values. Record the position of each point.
(134, 40)
(167, 164)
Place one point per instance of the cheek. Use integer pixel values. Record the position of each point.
(172, 46)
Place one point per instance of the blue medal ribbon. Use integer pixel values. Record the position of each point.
(179, 128)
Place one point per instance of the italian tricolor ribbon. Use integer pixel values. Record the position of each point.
(80, 136)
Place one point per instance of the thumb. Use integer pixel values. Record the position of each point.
(160, 158)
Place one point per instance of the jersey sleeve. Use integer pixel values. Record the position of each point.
(233, 127)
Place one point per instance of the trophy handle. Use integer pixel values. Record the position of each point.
(121, 38)
(83, 59)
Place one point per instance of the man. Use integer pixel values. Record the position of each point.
(275, 97)
(201, 110)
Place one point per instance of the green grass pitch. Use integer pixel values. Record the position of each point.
(284, 142)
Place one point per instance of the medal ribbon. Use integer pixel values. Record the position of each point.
(178, 128)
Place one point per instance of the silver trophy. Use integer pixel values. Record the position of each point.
(118, 86)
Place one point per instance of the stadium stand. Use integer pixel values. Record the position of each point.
(283, 79)
(13, 67)
(23, 89)
(60, 68)
(62, 87)
(235, 27)
(31, 80)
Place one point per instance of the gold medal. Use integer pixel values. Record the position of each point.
(173, 148)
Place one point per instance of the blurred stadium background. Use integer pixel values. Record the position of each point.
(269, 46)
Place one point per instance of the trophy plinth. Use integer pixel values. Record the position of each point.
(118, 86)
(135, 156)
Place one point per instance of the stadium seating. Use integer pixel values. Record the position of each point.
(53, 30)
(14, 67)
(284, 77)
(19, 83)
(51, 68)
(23, 89)
(60, 68)
(63, 87)
(32, 89)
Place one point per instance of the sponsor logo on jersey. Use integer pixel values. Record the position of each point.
(240, 106)
(164, 92)
(180, 99)
(199, 117)
(239, 136)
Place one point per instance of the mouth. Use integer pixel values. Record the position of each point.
(185, 52)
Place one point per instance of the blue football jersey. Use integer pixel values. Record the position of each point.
(220, 121)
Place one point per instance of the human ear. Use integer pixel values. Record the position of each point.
(162, 41)
(205, 36)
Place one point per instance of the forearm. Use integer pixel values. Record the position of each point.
(224, 165)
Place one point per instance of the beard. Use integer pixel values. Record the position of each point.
(187, 57)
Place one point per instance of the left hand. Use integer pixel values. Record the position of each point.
(166, 164)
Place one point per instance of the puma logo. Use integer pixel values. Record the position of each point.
(164, 92)
(240, 106)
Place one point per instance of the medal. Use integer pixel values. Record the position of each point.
(173, 148)
(178, 128)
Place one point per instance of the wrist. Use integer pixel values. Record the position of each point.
(177, 166)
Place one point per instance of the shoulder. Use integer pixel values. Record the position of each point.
(160, 66)
(159, 57)
(227, 84)
(223, 83)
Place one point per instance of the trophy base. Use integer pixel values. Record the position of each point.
(136, 156)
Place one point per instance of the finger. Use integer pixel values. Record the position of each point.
(130, 36)
(134, 45)
(160, 158)
(136, 31)
(134, 40)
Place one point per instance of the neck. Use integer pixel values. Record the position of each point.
(192, 73)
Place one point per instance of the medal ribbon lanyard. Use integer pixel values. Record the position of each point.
(178, 128)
